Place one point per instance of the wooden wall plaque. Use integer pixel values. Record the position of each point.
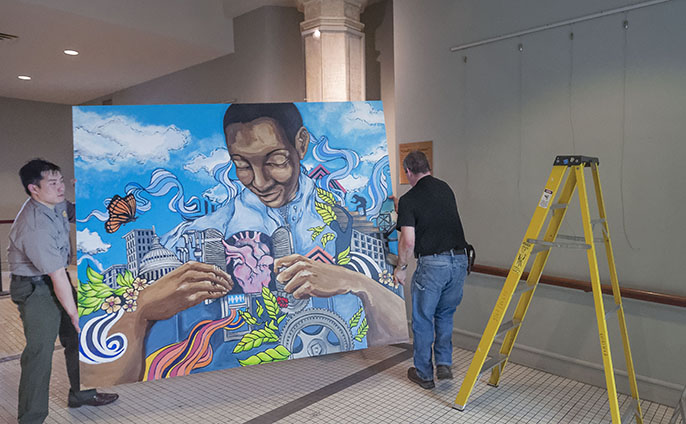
(404, 148)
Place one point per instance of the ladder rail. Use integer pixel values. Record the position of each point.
(614, 279)
(511, 282)
(558, 216)
(598, 298)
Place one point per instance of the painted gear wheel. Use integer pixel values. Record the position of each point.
(294, 305)
(315, 332)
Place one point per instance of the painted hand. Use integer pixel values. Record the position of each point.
(306, 278)
(182, 288)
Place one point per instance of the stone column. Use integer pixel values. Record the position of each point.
(334, 49)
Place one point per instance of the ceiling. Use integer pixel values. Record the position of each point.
(121, 43)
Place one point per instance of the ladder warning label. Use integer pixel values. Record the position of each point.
(545, 199)
(522, 257)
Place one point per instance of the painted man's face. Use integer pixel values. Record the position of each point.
(266, 162)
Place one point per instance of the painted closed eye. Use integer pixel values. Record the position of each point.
(278, 160)
(241, 164)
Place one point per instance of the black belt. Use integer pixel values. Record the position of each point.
(449, 252)
(33, 278)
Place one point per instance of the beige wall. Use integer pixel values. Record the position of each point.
(267, 66)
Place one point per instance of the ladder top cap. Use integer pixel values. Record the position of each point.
(575, 160)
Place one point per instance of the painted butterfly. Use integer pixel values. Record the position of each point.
(122, 210)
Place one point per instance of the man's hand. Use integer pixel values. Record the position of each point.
(400, 275)
(186, 286)
(75, 322)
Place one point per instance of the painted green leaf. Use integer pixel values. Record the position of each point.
(344, 257)
(356, 318)
(362, 331)
(326, 196)
(279, 353)
(120, 279)
(93, 276)
(86, 311)
(247, 317)
(279, 319)
(325, 211)
(273, 326)
(120, 291)
(316, 231)
(259, 310)
(91, 302)
(128, 278)
(270, 303)
(255, 339)
(327, 238)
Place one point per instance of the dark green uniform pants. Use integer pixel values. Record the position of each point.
(43, 318)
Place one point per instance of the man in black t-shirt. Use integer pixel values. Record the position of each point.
(430, 227)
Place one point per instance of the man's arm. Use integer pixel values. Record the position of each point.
(62, 287)
(405, 251)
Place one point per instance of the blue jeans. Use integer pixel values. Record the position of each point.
(436, 291)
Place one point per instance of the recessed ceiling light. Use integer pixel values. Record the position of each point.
(71, 52)
(24, 77)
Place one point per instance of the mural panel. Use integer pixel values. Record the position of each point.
(217, 236)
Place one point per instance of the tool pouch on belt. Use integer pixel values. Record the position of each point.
(471, 257)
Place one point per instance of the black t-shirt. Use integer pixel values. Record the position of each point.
(430, 208)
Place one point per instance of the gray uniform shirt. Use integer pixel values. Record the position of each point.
(39, 239)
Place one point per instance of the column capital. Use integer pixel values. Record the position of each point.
(313, 9)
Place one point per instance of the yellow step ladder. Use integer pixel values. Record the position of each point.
(540, 248)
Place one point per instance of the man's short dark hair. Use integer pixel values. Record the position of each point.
(285, 114)
(416, 162)
(32, 172)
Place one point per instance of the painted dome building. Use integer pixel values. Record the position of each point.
(158, 262)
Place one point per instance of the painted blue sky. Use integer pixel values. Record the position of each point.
(118, 145)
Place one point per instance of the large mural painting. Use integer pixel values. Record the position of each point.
(218, 236)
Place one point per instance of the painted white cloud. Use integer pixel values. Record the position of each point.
(216, 194)
(353, 183)
(375, 155)
(363, 117)
(90, 243)
(207, 163)
(109, 140)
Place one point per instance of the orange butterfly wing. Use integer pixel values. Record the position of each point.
(121, 210)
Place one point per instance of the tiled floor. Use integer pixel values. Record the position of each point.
(367, 386)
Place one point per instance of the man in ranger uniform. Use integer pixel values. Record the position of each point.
(38, 253)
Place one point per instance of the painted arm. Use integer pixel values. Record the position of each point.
(384, 309)
(186, 286)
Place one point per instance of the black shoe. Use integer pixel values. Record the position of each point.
(414, 377)
(443, 372)
(98, 399)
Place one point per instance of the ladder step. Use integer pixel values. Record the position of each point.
(597, 221)
(570, 245)
(628, 414)
(507, 326)
(579, 238)
(492, 362)
(558, 206)
(523, 287)
(611, 310)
